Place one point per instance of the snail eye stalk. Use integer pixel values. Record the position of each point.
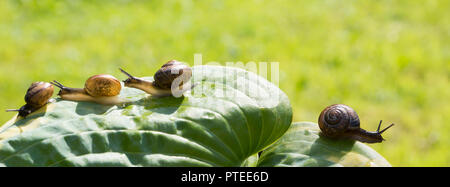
(386, 128)
(126, 73)
(57, 84)
(379, 125)
(12, 110)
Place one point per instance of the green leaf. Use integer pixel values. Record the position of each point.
(303, 146)
(229, 116)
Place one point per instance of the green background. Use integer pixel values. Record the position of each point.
(388, 60)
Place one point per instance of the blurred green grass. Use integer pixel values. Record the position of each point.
(387, 59)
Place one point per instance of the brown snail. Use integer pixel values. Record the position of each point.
(102, 89)
(170, 79)
(341, 121)
(36, 97)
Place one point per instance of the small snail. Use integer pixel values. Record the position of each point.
(171, 76)
(102, 89)
(341, 121)
(36, 97)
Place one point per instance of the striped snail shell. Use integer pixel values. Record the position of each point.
(171, 70)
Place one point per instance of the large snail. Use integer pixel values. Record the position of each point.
(36, 97)
(102, 89)
(341, 121)
(171, 79)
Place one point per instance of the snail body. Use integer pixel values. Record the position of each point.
(341, 121)
(102, 89)
(172, 76)
(36, 97)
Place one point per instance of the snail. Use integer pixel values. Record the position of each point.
(341, 121)
(169, 80)
(36, 97)
(102, 89)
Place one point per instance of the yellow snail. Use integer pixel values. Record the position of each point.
(341, 121)
(102, 89)
(171, 76)
(36, 97)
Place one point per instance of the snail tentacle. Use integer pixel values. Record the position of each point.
(12, 110)
(384, 128)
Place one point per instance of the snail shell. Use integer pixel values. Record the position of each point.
(171, 70)
(337, 119)
(39, 93)
(102, 86)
